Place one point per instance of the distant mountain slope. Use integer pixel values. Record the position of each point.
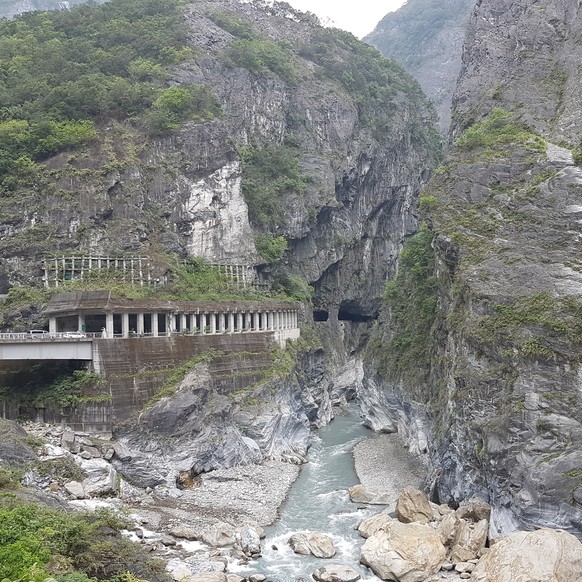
(10, 8)
(426, 36)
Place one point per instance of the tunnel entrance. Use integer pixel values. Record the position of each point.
(352, 311)
(320, 315)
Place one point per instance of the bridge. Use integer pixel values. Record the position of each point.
(45, 346)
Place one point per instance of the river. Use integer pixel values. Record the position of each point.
(319, 501)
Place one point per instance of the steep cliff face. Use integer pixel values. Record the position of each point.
(427, 36)
(362, 159)
(495, 395)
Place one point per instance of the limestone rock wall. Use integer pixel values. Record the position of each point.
(500, 413)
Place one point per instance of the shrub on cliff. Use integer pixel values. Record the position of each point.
(410, 302)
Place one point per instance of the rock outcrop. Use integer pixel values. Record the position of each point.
(404, 552)
(360, 183)
(545, 554)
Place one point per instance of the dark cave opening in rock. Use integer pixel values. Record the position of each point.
(320, 315)
(352, 310)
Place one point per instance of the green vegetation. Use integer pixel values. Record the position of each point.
(499, 129)
(176, 105)
(194, 280)
(550, 319)
(410, 299)
(250, 51)
(573, 473)
(372, 80)
(292, 286)
(270, 173)
(271, 248)
(262, 57)
(233, 23)
(64, 73)
(37, 543)
(199, 281)
(66, 390)
(21, 296)
(10, 478)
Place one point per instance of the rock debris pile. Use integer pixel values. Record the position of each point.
(429, 542)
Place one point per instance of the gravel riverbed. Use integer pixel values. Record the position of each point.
(384, 463)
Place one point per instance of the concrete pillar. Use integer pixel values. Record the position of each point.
(270, 320)
(239, 317)
(80, 323)
(140, 325)
(231, 322)
(256, 321)
(275, 320)
(248, 321)
(109, 324)
(212, 323)
(221, 322)
(155, 331)
(125, 325)
(203, 320)
(183, 323)
(52, 324)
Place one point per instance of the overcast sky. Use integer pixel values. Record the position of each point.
(358, 16)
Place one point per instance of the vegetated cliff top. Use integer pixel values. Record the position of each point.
(241, 133)
(426, 36)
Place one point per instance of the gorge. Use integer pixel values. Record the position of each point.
(442, 293)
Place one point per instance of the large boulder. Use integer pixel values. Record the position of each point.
(545, 555)
(336, 573)
(312, 543)
(361, 494)
(219, 534)
(102, 479)
(469, 540)
(474, 509)
(248, 541)
(404, 552)
(368, 527)
(447, 529)
(413, 506)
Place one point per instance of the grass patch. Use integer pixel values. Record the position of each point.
(499, 129)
